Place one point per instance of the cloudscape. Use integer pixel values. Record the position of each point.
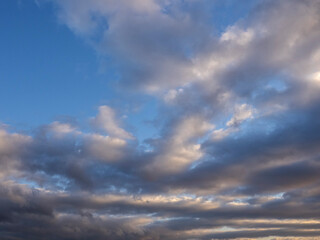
(160, 119)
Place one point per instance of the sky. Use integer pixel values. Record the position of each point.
(159, 119)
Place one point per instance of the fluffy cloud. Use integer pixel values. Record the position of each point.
(106, 120)
(175, 152)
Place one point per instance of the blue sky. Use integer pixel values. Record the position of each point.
(50, 74)
(159, 119)
(45, 68)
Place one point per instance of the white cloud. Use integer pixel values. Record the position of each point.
(11, 144)
(180, 149)
(241, 113)
(106, 120)
(104, 148)
(221, 133)
(172, 94)
(62, 129)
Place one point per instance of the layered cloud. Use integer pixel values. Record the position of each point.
(236, 155)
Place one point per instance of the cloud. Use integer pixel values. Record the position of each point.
(151, 42)
(104, 147)
(106, 121)
(178, 150)
(242, 113)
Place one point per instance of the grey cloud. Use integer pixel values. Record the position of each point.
(150, 41)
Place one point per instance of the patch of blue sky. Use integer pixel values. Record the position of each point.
(45, 70)
(273, 83)
(25, 181)
(142, 120)
(255, 126)
(277, 84)
(226, 13)
(58, 182)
